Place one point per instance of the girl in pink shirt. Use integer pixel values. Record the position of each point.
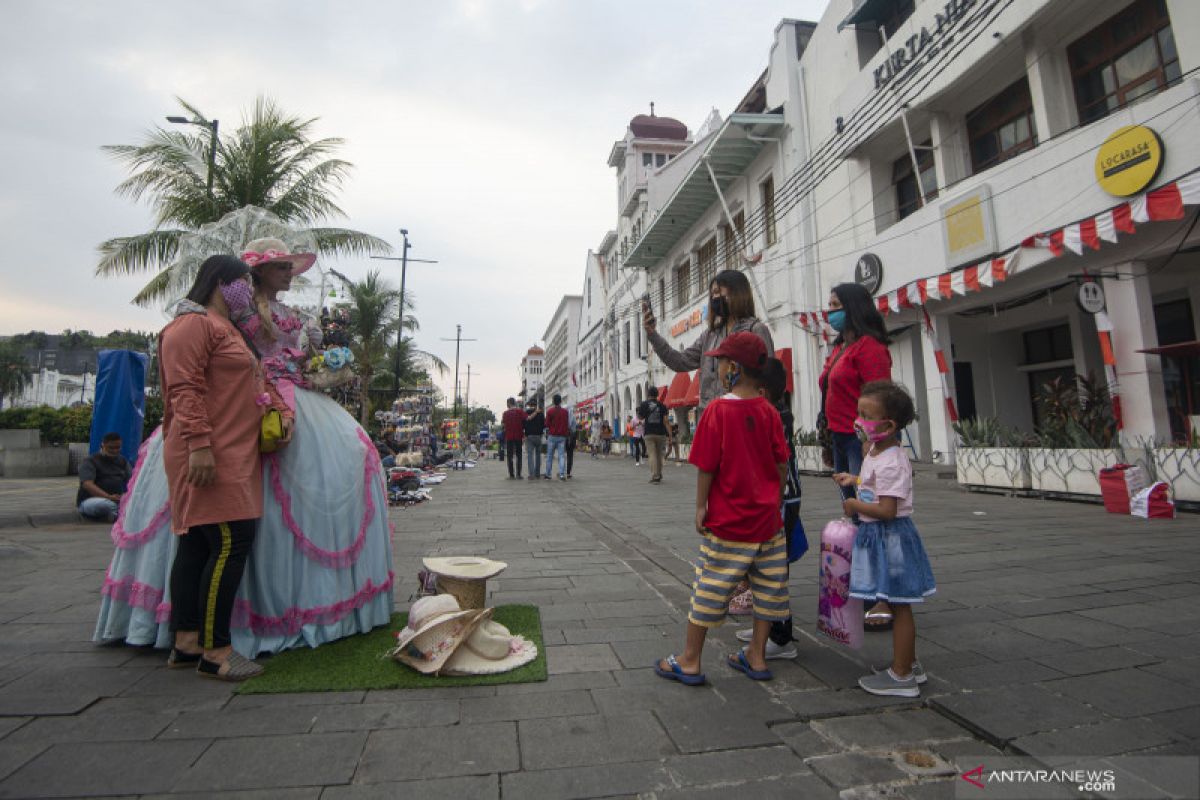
(889, 562)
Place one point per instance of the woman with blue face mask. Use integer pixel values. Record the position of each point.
(860, 355)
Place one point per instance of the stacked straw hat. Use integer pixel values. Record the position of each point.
(465, 577)
(443, 639)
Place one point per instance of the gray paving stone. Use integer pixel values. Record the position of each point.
(377, 716)
(581, 658)
(432, 693)
(934, 790)
(1185, 722)
(293, 699)
(1079, 630)
(1100, 659)
(803, 740)
(1009, 712)
(716, 728)
(403, 754)
(305, 793)
(889, 730)
(529, 706)
(10, 724)
(832, 703)
(638, 778)
(472, 787)
(1104, 739)
(64, 690)
(592, 740)
(844, 770)
(14, 755)
(986, 676)
(96, 724)
(627, 608)
(1182, 670)
(735, 765)
(789, 788)
(95, 768)
(1128, 693)
(609, 634)
(569, 681)
(250, 722)
(265, 762)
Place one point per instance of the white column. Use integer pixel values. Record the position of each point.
(1131, 309)
(1050, 85)
(932, 407)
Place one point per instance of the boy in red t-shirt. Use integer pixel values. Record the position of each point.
(741, 454)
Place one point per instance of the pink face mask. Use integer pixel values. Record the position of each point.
(868, 429)
(238, 295)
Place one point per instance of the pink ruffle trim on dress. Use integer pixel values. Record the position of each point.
(330, 558)
(144, 596)
(127, 540)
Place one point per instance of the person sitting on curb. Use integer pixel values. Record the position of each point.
(103, 477)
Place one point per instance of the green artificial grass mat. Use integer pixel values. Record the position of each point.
(362, 662)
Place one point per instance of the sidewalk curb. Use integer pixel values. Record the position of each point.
(41, 520)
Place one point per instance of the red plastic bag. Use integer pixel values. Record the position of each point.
(1118, 483)
(839, 616)
(1154, 502)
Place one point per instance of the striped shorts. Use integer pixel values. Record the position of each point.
(723, 564)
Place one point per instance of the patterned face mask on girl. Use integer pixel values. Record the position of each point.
(238, 295)
(868, 430)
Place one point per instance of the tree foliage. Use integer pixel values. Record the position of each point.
(15, 372)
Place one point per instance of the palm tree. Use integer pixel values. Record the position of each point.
(15, 372)
(271, 161)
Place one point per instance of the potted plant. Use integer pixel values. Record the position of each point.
(808, 454)
(1077, 437)
(1179, 465)
(992, 455)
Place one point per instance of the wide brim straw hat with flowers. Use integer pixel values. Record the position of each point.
(436, 627)
(231, 236)
(490, 648)
(270, 250)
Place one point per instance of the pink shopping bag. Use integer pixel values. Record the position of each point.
(839, 616)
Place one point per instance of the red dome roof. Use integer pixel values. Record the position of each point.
(535, 351)
(646, 126)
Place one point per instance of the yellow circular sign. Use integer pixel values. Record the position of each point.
(1129, 160)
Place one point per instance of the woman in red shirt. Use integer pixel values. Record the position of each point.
(860, 355)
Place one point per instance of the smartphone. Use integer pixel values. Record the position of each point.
(647, 307)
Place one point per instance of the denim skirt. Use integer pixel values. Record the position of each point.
(889, 563)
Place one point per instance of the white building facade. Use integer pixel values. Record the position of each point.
(562, 344)
(532, 371)
(48, 387)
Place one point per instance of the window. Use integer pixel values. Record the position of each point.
(647, 159)
(662, 295)
(767, 192)
(625, 341)
(1002, 127)
(1129, 55)
(589, 292)
(1048, 344)
(892, 18)
(706, 265)
(730, 242)
(660, 159)
(1174, 324)
(683, 275)
(908, 198)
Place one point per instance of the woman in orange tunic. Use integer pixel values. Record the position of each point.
(213, 401)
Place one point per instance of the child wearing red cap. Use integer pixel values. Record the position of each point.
(740, 452)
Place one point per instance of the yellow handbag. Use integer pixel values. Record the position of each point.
(271, 432)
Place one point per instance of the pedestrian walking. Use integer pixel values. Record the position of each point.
(606, 437)
(656, 434)
(213, 403)
(572, 440)
(513, 422)
(535, 429)
(860, 355)
(558, 431)
(741, 458)
(597, 440)
(889, 561)
(673, 442)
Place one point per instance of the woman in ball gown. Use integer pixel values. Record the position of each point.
(321, 567)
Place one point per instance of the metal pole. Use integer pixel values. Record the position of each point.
(400, 326)
(457, 347)
(212, 164)
(467, 401)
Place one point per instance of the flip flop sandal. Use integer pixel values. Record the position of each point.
(676, 673)
(738, 661)
(239, 668)
(178, 658)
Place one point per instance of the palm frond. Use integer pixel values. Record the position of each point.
(126, 255)
(155, 291)
(345, 242)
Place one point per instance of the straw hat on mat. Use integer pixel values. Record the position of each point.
(466, 568)
(436, 627)
(490, 648)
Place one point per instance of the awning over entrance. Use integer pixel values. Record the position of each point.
(662, 394)
(677, 390)
(865, 11)
(729, 151)
(692, 398)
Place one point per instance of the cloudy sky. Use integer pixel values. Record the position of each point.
(481, 126)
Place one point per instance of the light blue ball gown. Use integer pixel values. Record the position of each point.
(321, 566)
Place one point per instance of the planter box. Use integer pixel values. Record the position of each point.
(1180, 467)
(999, 467)
(1071, 470)
(808, 459)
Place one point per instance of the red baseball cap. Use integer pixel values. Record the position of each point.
(746, 349)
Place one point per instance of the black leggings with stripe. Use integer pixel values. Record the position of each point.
(205, 579)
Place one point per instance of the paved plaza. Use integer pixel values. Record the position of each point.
(1056, 630)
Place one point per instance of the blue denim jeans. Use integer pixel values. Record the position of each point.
(533, 455)
(556, 444)
(847, 457)
(100, 508)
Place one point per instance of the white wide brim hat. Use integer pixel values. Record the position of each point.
(467, 568)
(436, 628)
(490, 648)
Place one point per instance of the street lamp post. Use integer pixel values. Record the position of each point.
(404, 259)
(212, 148)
